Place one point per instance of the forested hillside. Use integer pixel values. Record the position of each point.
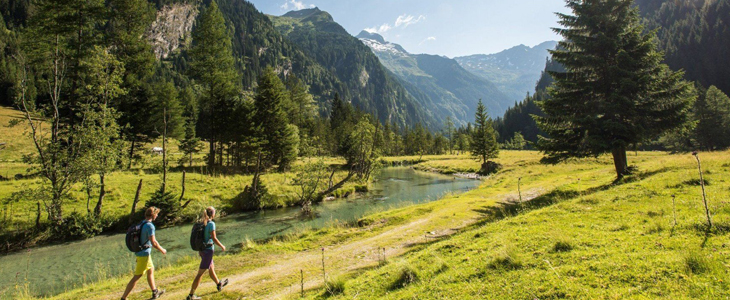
(256, 45)
(371, 87)
(695, 36)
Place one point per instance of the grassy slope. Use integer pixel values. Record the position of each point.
(580, 237)
(593, 240)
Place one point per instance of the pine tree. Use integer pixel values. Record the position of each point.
(125, 34)
(483, 139)
(713, 120)
(212, 64)
(615, 91)
(168, 119)
(271, 118)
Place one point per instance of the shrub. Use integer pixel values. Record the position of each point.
(405, 276)
(361, 188)
(169, 205)
(80, 226)
(251, 200)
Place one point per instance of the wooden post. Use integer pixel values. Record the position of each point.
(134, 204)
(704, 195)
(183, 192)
(302, 273)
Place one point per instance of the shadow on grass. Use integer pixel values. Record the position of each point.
(507, 209)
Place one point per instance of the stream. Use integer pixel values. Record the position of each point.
(51, 270)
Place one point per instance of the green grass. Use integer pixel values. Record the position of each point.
(579, 235)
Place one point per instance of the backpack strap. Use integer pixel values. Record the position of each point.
(142, 224)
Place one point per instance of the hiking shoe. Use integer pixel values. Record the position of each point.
(193, 297)
(157, 293)
(221, 284)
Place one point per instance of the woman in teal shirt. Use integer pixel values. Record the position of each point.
(206, 256)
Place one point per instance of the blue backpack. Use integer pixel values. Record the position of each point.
(133, 239)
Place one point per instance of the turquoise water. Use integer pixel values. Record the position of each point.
(51, 270)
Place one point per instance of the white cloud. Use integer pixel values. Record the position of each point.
(403, 21)
(406, 20)
(295, 5)
(428, 39)
(383, 28)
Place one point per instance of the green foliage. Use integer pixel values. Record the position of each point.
(516, 143)
(692, 35)
(251, 199)
(615, 91)
(713, 120)
(483, 139)
(213, 65)
(309, 179)
(271, 119)
(169, 205)
(81, 226)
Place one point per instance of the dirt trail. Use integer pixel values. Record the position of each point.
(281, 277)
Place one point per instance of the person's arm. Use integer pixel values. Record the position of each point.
(216, 241)
(156, 245)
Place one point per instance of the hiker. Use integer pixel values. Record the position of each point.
(144, 259)
(206, 256)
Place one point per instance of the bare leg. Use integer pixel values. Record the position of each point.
(151, 278)
(196, 281)
(130, 285)
(212, 274)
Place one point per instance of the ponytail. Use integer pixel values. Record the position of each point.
(207, 215)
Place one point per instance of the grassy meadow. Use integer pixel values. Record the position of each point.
(577, 234)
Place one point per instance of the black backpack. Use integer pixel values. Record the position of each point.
(134, 234)
(197, 237)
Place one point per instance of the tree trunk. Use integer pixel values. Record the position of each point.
(620, 162)
(131, 151)
(211, 154)
(134, 204)
(38, 217)
(102, 193)
(183, 192)
(164, 151)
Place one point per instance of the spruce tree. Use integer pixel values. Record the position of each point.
(483, 139)
(270, 117)
(212, 63)
(615, 92)
(713, 120)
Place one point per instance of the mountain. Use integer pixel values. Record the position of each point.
(694, 35)
(449, 90)
(368, 84)
(514, 70)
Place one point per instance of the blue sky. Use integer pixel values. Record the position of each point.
(451, 28)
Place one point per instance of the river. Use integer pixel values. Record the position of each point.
(53, 269)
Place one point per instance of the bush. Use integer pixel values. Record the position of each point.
(249, 200)
(169, 205)
(80, 226)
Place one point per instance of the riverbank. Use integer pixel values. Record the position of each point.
(587, 227)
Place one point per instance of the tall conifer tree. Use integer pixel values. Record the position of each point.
(483, 139)
(615, 92)
(212, 64)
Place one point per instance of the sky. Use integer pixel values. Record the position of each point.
(443, 27)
